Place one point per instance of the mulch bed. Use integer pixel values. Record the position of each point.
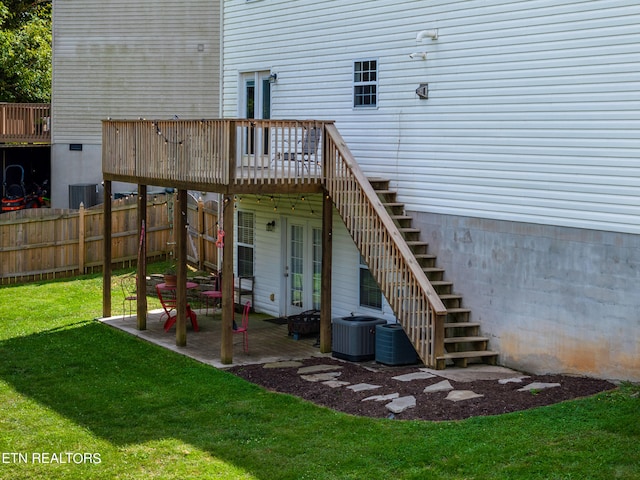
(498, 398)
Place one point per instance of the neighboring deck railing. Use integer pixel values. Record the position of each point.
(25, 123)
(404, 284)
(198, 154)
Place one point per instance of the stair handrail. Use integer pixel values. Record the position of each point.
(409, 292)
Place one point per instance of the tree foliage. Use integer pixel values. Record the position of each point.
(25, 51)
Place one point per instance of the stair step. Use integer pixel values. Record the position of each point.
(450, 300)
(465, 339)
(455, 313)
(417, 243)
(442, 285)
(406, 230)
(461, 324)
(449, 296)
(458, 310)
(401, 217)
(460, 358)
(373, 180)
(428, 270)
(392, 204)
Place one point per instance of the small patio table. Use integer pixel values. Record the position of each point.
(169, 305)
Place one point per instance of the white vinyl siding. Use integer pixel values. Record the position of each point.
(533, 111)
(124, 59)
(269, 260)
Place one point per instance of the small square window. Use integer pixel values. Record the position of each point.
(365, 83)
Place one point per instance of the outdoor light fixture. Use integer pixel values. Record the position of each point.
(273, 78)
(271, 226)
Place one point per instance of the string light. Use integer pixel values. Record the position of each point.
(162, 135)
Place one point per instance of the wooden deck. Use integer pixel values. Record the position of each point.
(231, 156)
(225, 156)
(25, 123)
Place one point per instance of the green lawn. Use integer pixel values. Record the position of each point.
(82, 400)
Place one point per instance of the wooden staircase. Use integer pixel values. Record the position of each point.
(463, 342)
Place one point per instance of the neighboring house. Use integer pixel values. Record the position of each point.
(123, 59)
(511, 138)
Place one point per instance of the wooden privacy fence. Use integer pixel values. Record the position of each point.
(43, 243)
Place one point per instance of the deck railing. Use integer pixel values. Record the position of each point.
(404, 284)
(201, 153)
(25, 123)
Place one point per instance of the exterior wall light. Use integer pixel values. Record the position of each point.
(273, 78)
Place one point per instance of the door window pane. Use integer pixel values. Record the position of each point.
(317, 267)
(297, 266)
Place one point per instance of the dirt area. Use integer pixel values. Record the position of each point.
(497, 398)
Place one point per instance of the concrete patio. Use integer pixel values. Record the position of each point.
(268, 342)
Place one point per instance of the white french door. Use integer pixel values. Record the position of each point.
(256, 103)
(302, 268)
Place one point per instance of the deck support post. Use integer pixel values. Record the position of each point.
(325, 282)
(180, 233)
(106, 251)
(226, 344)
(141, 276)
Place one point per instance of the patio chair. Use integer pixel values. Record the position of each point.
(168, 301)
(244, 327)
(212, 293)
(309, 148)
(128, 284)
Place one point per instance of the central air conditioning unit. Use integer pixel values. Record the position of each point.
(393, 347)
(354, 338)
(86, 193)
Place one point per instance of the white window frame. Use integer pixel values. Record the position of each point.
(240, 244)
(358, 82)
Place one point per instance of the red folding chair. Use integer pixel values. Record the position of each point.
(168, 301)
(244, 327)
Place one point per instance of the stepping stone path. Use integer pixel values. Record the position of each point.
(321, 377)
(320, 373)
(407, 377)
(401, 404)
(442, 386)
(381, 398)
(538, 386)
(504, 381)
(335, 383)
(360, 387)
(328, 374)
(318, 368)
(458, 395)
